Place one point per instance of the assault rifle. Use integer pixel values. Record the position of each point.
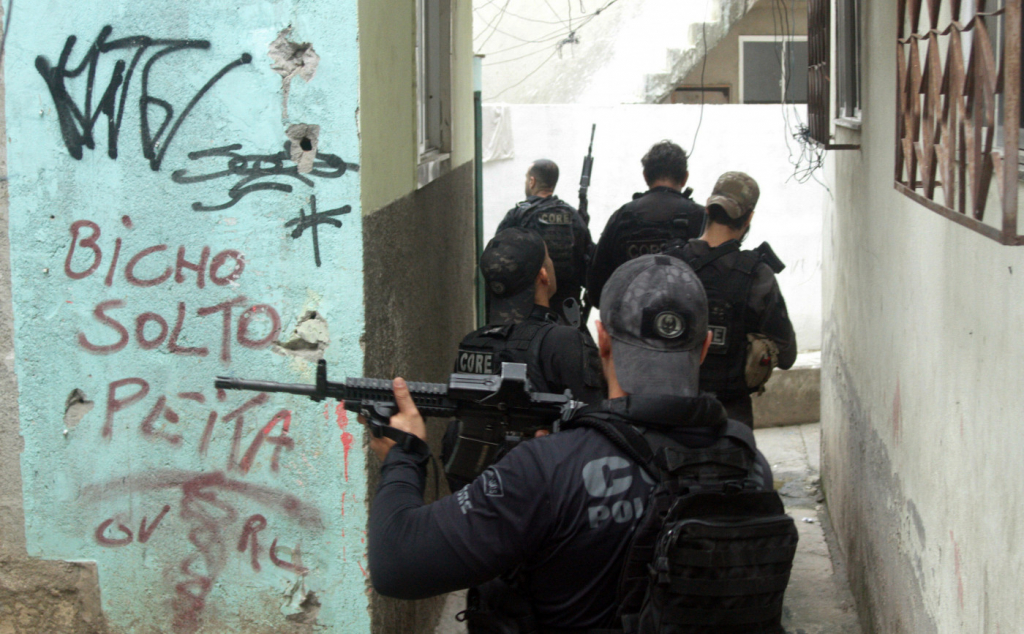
(588, 166)
(494, 410)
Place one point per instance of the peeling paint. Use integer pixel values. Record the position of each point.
(291, 59)
(303, 142)
(76, 406)
(308, 340)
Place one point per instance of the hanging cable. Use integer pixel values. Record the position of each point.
(703, 66)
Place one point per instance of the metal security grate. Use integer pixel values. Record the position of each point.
(958, 109)
(819, 27)
(819, 77)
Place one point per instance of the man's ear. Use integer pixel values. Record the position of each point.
(542, 278)
(686, 177)
(750, 219)
(604, 341)
(704, 348)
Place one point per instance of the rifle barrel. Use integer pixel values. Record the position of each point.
(231, 383)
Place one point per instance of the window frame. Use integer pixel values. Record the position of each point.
(433, 58)
(777, 40)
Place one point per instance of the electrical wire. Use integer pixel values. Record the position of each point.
(507, 88)
(570, 38)
(703, 66)
(496, 23)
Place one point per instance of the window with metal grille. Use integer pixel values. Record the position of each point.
(819, 68)
(848, 59)
(959, 110)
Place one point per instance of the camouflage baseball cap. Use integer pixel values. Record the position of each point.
(510, 264)
(655, 310)
(736, 193)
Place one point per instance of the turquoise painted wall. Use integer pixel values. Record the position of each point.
(160, 237)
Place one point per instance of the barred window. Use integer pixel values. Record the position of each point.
(959, 111)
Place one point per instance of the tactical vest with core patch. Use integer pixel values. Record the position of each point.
(484, 350)
(646, 232)
(556, 222)
(728, 290)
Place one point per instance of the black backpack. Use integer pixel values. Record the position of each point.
(713, 551)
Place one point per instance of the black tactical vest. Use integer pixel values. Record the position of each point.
(484, 350)
(723, 371)
(556, 222)
(647, 231)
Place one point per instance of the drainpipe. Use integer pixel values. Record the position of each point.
(478, 184)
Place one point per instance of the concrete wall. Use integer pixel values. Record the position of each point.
(921, 388)
(766, 18)
(141, 268)
(746, 138)
(418, 244)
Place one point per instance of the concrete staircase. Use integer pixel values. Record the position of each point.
(720, 17)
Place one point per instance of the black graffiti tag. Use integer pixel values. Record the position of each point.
(77, 121)
(250, 168)
(311, 221)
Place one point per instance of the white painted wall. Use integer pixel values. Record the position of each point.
(922, 389)
(745, 138)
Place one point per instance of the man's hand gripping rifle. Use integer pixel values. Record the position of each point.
(495, 410)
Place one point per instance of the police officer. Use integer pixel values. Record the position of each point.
(641, 227)
(560, 508)
(743, 296)
(520, 279)
(562, 228)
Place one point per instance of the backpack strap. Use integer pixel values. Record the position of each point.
(623, 436)
(721, 250)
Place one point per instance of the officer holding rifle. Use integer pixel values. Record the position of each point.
(558, 510)
(520, 280)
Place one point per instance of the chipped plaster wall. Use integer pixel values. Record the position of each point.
(143, 265)
(922, 388)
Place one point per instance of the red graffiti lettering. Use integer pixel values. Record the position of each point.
(295, 565)
(101, 316)
(249, 539)
(200, 268)
(109, 280)
(247, 317)
(160, 407)
(87, 243)
(103, 540)
(115, 405)
(172, 345)
(140, 330)
(145, 532)
(237, 416)
(129, 271)
(219, 260)
(281, 442)
(224, 307)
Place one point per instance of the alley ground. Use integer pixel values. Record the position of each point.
(818, 600)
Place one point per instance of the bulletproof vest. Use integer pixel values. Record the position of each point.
(484, 350)
(646, 232)
(556, 223)
(724, 370)
(713, 550)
